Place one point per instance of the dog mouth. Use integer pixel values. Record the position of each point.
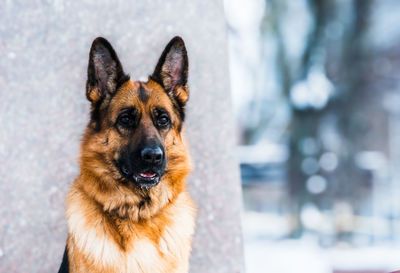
(147, 175)
(147, 179)
(144, 179)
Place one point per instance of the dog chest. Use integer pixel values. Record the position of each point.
(170, 253)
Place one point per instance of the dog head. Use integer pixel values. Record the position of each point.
(133, 145)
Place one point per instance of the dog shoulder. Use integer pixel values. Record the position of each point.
(89, 234)
(176, 237)
(171, 252)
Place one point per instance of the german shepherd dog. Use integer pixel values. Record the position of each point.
(128, 210)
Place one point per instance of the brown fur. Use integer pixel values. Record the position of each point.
(115, 226)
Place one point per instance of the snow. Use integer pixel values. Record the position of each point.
(266, 250)
(288, 256)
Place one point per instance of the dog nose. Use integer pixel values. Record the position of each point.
(152, 155)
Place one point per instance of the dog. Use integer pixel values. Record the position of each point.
(128, 210)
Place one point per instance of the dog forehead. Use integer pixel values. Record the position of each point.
(142, 95)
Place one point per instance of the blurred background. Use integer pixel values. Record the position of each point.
(315, 87)
(316, 97)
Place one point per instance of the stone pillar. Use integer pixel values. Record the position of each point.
(44, 49)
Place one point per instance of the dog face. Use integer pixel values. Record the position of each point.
(143, 126)
(133, 140)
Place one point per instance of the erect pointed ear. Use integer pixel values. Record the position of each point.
(105, 71)
(172, 71)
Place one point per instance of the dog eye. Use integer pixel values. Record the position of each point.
(126, 120)
(163, 121)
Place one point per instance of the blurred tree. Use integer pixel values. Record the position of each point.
(312, 130)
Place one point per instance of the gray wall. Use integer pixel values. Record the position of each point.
(44, 48)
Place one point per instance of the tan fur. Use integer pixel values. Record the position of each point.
(117, 227)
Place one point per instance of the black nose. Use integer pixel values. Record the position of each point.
(152, 155)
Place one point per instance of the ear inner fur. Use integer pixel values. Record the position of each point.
(172, 67)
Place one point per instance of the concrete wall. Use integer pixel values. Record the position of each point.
(44, 48)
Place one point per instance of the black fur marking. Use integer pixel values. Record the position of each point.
(143, 95)
(124, 78)
(95, 115)
(147, 199)
(141, 204)
(64, 268)
(181, 109)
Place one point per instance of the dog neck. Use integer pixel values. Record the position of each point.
(126, 201)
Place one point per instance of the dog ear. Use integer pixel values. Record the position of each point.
(172, 71)
(105, 72)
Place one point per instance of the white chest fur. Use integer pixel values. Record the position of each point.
(144, 255)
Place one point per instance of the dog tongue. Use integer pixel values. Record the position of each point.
(147, 174)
